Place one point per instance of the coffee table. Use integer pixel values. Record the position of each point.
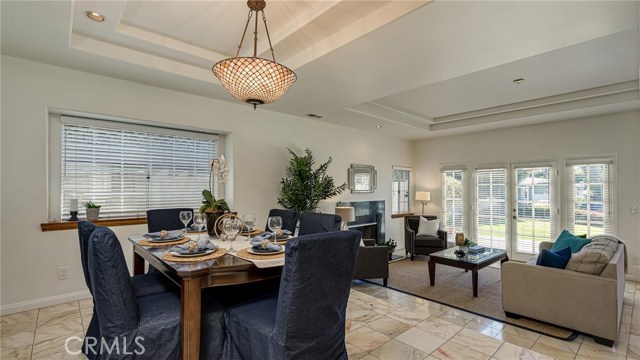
(473, 262)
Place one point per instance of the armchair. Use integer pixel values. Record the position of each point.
(372, 262)
(422, 244)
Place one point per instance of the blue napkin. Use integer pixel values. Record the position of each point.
(256, 242)
(173, 234)
(269, 235)
(185, 247)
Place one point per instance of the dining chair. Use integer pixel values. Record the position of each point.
(166, 219)
(289, 219)
(147, 324)
(305, 319)
(312, 223)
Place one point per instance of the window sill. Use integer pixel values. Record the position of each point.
(72, 225)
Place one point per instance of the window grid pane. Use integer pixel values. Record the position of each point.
(400, 191)
(454, 197)
(590, 198)
(491, 208)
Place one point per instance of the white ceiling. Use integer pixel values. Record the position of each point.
(418, 68)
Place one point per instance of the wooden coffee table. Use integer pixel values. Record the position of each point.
(473, 262)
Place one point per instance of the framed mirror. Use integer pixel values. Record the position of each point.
(362, 178)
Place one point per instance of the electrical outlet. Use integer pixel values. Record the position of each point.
(636, 260)
(634, 210)
(63, 273)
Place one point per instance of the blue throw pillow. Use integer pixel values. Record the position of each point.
(555, 259)
(567, 239)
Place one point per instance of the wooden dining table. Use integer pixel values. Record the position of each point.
(192, 278)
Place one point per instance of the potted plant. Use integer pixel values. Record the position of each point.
(304, 187)
(93, 210)
(391, 245)
(214, 208)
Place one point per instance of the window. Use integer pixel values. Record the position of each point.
(491, 207)
(129, 169)
(591, 196)
(454, 196)
(400, 189)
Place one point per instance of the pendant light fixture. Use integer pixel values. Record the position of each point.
(254, 80)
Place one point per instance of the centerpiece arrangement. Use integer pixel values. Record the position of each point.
(215, 208)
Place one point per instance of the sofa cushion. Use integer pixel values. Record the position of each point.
(567, 239)
(555, 259)
(428, 241)
(428, 227)
(593, 257)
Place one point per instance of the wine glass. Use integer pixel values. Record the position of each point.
(231, 227)
(275, 224)
(249, 220)
(185, 217)
(199, 220)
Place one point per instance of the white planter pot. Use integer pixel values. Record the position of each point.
(93, 213)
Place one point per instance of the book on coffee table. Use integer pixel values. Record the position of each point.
(476, 249)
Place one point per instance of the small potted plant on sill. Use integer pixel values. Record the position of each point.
(391, 246)
(93, 210)
(214, 208)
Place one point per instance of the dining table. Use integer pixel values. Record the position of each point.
(194, 276)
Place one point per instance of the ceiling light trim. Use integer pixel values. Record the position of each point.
(390, 114)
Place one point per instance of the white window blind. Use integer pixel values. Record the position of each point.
(491, 207)
(534, 206)
(129, 169)
(591, 196)
(400, 190)
(455, 201)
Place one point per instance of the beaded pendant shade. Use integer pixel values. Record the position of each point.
(254, 80)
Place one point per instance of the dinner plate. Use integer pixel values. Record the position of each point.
(167, 239)
(177, 254)
(264, 251)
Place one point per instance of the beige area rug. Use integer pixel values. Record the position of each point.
(454, 287)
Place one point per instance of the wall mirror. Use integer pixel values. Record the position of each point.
(362, 178)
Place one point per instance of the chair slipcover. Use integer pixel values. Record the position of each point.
(289, 219)
(166, 219)
(306, 318)
(148, 324)
(313, 223)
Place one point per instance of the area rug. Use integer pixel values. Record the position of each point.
(453, 287)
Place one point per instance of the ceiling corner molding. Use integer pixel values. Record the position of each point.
(390, 114)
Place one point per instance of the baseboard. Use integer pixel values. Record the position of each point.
(44, 302)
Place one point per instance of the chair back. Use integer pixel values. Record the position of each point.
(289, 219)
(314, 289)
(113, 294)
(85, 229)
(313, 223)
(413, 222)
(166, 219)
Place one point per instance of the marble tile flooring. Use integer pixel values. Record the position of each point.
(381, 324)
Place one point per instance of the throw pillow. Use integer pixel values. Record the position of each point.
(593, 257)
(428, 227)
(555, 259)
(567, 239)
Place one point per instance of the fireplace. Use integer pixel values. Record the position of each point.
(369, 219)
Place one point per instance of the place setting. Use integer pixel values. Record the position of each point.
(164, 238)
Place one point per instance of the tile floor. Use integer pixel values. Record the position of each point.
(381, 324)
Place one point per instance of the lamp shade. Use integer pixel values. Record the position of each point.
(423, 196)
(347, 213)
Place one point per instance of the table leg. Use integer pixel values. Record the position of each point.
(138, 264)
(432, 272)
(190, 318)
(474, 275)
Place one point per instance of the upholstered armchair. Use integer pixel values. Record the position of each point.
(422, 244)
(313, 223)
(306, 318)
(372, 262)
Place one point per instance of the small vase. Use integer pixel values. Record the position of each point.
(93, 213)
(212, 217)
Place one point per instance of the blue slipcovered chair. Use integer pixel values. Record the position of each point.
(306, 318)
(166, 219)
(289, 219)
(147, 326)
(313, 223)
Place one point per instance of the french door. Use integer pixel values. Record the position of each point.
(515, 208)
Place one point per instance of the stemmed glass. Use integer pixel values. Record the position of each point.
(231, 227)
(185, 217)
(275, 224)
(249, 220)
(199, 220)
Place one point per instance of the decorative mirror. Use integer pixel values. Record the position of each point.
(362, 179)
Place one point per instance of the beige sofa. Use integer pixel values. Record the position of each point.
(591, 304)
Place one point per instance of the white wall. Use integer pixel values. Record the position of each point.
(257, 146)
(617, 134)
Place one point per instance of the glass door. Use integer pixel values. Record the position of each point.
(491, 225)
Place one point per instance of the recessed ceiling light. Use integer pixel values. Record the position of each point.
(94, 16)
(379, 126)
(518, 81)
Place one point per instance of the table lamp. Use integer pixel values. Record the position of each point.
(347, 213)
(423, 196)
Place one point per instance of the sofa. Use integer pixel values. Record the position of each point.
(591, 304)
(372, 262)
(422, 244)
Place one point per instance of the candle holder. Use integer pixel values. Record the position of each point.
(74, 216)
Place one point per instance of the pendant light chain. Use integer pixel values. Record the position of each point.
(244, 33)
(266, 29)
